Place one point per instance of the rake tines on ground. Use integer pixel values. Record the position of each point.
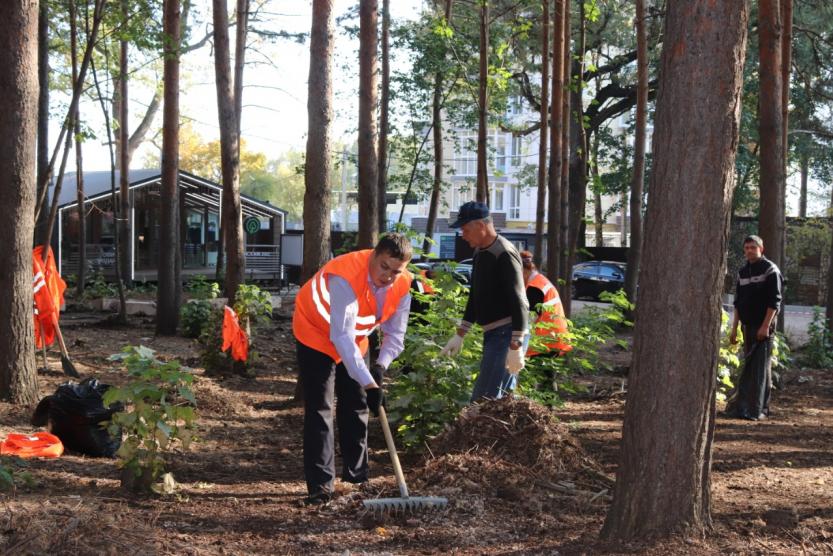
(405, 502)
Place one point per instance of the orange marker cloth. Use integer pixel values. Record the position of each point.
(234, 337)
(37, 445)
(54, 282)
(46, 314)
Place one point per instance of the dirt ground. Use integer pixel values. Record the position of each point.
(540, 488)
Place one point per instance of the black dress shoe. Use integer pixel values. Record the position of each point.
(318, 498)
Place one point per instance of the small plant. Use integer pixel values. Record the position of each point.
(159, 415)
(252, 306)
(12, 473)
(99, 287)
(199, 287)
(818, 352)
(729, 362)
(193, 316)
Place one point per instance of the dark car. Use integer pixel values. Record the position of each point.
(460, 272)
(594, 277)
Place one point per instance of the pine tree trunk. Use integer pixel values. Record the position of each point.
(556, 138)
(229, 156)
(368, 160)
(125, 221)
(18, 141)
(564, 219)
(804, 167)
(43, 119)
(167, 307)
(319, 148)
(79, 159)
(541, 205)
(382, 187)
(664, 474)
(240, 37)
(770, 130)
(482, 194)
(635, 252)
(437, 129)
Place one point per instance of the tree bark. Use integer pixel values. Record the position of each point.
(43, 120)
(556, 138)
(167, 305)
(564, 219)
(482, 194)
(771, 222)
(382, 191)
(229, 156)
(79, 159)
(541, 205)
(18, 129)
(635, 252)
(124, 222)
(368, 160)
(241, 34)
(664, 474)
(319, 148)
(804, 166)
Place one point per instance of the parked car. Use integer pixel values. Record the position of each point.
(594, 277)
(460, 272)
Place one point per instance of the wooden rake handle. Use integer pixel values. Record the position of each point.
(394, 458)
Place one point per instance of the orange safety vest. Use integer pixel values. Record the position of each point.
(311, 320)
(37, 445)
(423, 284)
(552, 315)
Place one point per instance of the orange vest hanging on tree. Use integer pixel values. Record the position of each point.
(45, 310)
(552, 316)
(234, 337)
(54, 282)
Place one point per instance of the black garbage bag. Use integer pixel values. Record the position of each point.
(75, 413)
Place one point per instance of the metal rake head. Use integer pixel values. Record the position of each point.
(410, 504)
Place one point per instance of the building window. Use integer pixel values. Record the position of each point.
(517, 150)
(497, 198)
(500, 153)
(515, 202)
(465, 160)
(462, 194)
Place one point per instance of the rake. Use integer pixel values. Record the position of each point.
(405, 502)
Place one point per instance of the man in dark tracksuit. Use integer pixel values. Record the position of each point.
(757, 301)
(497, 302)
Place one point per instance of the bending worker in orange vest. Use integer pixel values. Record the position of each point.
(545, 302)
(335, 312)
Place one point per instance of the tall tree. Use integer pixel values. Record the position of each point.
(541, 204)
(319, 148)
(18, 128)
(232, 217)
(368, 160)
(772, 222)
(123, 143)
(79, 159)
(169, 275)
(240, 37)
(635, 251)
(384, 123)
(556, 138)
(43, 118)
(437, 128)
(664, 475)
(482, 194)
(568, 135)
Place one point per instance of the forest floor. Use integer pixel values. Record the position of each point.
(541, 486)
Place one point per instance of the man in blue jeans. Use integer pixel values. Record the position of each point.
(497, 302)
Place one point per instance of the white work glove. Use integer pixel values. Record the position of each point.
(453, 347)
(514, 361)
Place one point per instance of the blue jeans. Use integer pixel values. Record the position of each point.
(494, 381)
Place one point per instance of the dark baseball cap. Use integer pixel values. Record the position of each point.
(469, 212)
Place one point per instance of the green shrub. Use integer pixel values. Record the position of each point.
(98, 287)
(729, 362)
(818, 352)
(193, 316)
(12, 473)
(252, 306)
(159, 414)
(199, 287)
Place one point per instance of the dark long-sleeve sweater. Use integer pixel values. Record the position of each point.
(497, 294)
(757, 289)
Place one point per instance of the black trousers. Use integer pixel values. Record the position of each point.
(324, 381)
(751, 398)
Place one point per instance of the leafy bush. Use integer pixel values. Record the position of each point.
(159, 414)
(193, 316)
(818, 352)
(729, 362)
(252, 306)
(98, 286)
(12, 472)
(199, 287)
